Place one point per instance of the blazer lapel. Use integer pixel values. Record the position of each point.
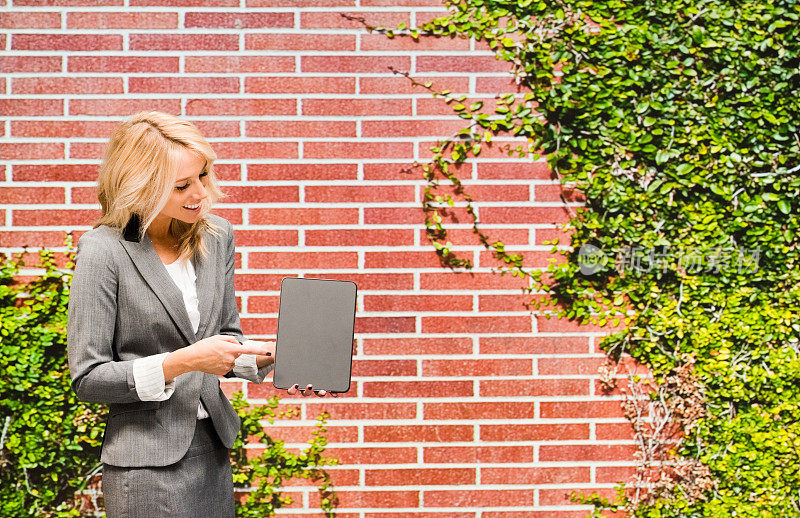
(205, 285)
(152, 269)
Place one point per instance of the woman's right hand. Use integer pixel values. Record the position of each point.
(217, 354)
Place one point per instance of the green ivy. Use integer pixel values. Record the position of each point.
(50, 442)
(678, 121)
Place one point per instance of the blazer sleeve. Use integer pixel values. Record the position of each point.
(91, 319)
(230, 323)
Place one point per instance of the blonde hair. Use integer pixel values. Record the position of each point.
(138, 172)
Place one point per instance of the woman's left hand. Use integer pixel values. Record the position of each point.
(262, 360)
(295, 389)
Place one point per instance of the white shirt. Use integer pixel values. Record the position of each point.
(148, 372)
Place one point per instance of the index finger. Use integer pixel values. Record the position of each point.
(253, 349)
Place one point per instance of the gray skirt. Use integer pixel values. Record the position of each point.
(198, 485)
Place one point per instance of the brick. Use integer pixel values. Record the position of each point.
(266, 238)
(547, 234)
(335, 20)
(347, 193)
(534, 345)
(300, 129)
(122, 107)
(45, 217)
(58, 173)
(259, 107)
(259, 194)
(374, 42)
(417, 303)
(534, 432)
(614, 474)
(122, 20)
(356, 150)
(36, 107)
(71, 42)
(31, 151)
(11, 238)
(353, 64)
(218, 128)
(535, 514)
(239, 64)
(356, 107)
(463, 64)
(614, 431)
(85, 195)
(300, 41)
(504, 302)
(30, 20)
(361, 411)
(374, 281)
(382, 499)
(483, 499)
(477, 454)
(539, 475)
(382, 324)
(30, 64)
(410, 128)
(61, 129)
(466, 237)
(186, 42)
(373, 455)
(182, 84)
(479, 410)
(32, 195)
(555, 192)
(419, 476)
(229, 172)
(339, 477)
(66, 3)
(482, 367)
(586, 452)
(253, 326)
(401, 171)
(266, 390)
(239, 20)
(416, 389)
(300, 85)
(123, 64)
(289, 172)
(514, 170)
(66, 85)
(423, 514)
(563, 496)
(418, 433)
(304, 216)
(561, 366)
(258, 304)
(534, 387)
(233, 215)
(530, 259)
(530, 215)
(401, 260)
(358, 237)
(412, 215)
(580, 409)
(270, 150)
(186, 3)
(493, 85)
(366, 368)
(300, 3)
(302, 434)
(462, 281)
(417, 346)
(397, 85)
(437, 106)
(505, 193)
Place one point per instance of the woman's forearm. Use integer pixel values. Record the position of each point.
(177, 363)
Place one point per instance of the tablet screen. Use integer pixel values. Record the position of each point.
(316, 321)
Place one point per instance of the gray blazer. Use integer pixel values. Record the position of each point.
(124, 305)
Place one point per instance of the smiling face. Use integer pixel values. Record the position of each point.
(188, 194)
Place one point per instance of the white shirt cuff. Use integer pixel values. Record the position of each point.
(245, 367)
(148, 376)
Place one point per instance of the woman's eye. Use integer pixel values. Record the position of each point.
(182, 188)
(204, 173)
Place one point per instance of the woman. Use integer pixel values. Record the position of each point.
(153, 323)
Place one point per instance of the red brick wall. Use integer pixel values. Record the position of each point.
(462, 405)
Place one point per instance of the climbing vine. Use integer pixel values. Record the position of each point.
(678, 121)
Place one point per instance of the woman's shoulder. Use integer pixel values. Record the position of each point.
(98, 243)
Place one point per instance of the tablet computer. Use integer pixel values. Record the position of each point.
(316, 323)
